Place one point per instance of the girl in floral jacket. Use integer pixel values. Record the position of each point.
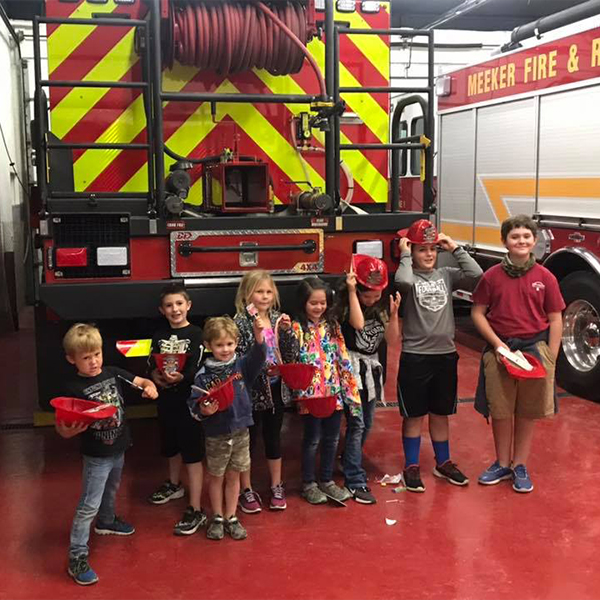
(257, 291)
(322, 345)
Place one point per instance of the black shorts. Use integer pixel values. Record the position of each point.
(180, 433)
(427, 383)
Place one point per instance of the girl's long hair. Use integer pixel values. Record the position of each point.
(304, 291)
(378, 311)
(248, 284)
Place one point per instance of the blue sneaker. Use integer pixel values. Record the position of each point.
(521, 481)
(81, 572)
(117, 527)
(494, 474)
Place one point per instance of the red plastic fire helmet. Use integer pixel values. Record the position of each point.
(420, 232)
(370, 271)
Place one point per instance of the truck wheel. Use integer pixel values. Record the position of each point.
(578, 368)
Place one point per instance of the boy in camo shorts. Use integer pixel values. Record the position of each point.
(226, 431)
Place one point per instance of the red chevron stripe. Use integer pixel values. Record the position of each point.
(85, 57)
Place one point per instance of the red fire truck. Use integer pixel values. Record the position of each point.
(520, 133)
(197, 139)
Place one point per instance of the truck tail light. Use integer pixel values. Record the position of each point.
(71, 257)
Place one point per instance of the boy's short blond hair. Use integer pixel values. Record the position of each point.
(82, 337)
(216, 327)
(248, 284)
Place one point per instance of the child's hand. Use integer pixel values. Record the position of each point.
(498, 355)
(173, 378)
(446, 242)
(285, 322)
(404, 245)
(159, 378)
(351, 280)
(69, 431)
(150, 391)
(208, 408)
(258, 325)
(395, 300)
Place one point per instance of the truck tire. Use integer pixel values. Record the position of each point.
(578, 367)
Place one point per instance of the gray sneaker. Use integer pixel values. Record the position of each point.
(215, 529)
(313, 495)
(329, 488)
(235, 529)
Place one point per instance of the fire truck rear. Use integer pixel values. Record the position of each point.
(196, 140)
(520, 133)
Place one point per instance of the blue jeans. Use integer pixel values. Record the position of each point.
(100, 482)
(326, 431)
(354, 474)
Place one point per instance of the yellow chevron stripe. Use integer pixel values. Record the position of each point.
(66, 38)
(79, 101)
(364, 105)
(125, 128)
(375, 50)
(363, 171)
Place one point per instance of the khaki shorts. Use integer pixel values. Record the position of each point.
(228, 452)
(527, 398)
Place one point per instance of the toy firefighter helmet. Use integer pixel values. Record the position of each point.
(370, 271)
(420, 232)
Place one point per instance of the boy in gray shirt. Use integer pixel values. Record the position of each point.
(427, 376)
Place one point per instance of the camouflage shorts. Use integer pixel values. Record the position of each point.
(228, 452)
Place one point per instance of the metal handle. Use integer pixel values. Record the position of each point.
(186, 249)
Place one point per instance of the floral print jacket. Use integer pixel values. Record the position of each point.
(326, 350)
(262, 396)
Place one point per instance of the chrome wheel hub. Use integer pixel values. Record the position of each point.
(581, 335)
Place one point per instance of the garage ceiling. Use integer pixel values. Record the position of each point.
(500, 15)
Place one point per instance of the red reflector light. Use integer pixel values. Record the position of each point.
(71, 257)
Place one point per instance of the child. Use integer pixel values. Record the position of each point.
(361, 309)
(427, 375)
(181, 437)
(257, 288)
(227, 437)
(517, 305)
(322, 345)
(103, 444)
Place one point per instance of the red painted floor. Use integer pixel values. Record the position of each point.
(477, 542)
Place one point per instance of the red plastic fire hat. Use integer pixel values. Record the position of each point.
(170, 363)
(370, 271)
(297, 376)
(420, 232)
(222, 393)
(538, 371)
(320, 407)
(75, 410)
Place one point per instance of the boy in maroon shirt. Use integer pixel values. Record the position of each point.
(517, 306)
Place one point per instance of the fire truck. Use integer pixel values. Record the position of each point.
(194, 140)
(520, 133)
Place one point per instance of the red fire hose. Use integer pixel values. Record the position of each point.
(232, 37)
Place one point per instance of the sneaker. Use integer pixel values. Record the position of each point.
(249, 501)
(278, 497)
(521, 481)
(363, 495)
(412, 479)
(191, 521)
(117, 527)
(338, 493)
(313, 495)
(494, 474)
(450, 471)
(235, 529)
(215, 529)
(167, 491)
(80, 570)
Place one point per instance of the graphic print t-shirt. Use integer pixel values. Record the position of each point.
(185, 340)
(108, 436)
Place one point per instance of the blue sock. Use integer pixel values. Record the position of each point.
(412, 447)
(442, 451)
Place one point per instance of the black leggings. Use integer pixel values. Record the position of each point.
(270, 422)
